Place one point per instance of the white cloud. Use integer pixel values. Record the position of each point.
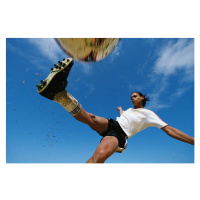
(173, 59)
(157, 92)
(175, 56)
(180, 91)
(48, 47)
(86, 68)
(155, 102)
(47, 51)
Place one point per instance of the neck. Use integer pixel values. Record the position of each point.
(135, 107)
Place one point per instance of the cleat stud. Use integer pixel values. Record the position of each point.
(63, 59)
(67, 60)
(38, 87)
(51, 69)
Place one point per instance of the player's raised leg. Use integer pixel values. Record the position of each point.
(53, 88)
(67, 101)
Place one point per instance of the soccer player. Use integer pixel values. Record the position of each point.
(114, 132)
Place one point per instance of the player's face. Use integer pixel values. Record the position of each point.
(137, 99)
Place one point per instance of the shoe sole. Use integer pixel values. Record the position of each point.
(56, 80)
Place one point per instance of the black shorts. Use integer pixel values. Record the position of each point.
(114, 129)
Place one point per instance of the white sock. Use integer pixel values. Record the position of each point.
(67, 101)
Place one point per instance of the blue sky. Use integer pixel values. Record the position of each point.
(41, 131)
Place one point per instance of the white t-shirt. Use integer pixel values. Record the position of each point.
(133, 120)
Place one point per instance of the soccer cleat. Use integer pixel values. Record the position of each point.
(56, 80)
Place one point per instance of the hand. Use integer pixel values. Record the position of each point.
(119, 108)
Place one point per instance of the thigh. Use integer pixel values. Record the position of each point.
(99, 124)
(107, 146)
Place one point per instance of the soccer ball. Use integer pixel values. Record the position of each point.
(88, 49)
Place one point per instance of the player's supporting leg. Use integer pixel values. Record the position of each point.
(105, 149)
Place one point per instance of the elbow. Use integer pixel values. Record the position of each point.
(169, 130)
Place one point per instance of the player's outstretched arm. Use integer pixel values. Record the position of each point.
(179, 135)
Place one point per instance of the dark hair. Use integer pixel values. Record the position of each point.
(146, 98)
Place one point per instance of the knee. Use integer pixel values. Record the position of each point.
(85, 117)
(92, 119)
